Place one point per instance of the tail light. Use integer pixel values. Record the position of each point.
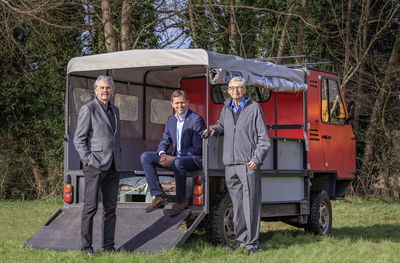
(198, 200)
(68, 198)
(198, 180)
(198, 190)
(68, 190)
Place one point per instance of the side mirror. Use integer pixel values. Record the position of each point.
(351, 107)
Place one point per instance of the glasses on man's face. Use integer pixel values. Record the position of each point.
(236, 87)
(104, 88)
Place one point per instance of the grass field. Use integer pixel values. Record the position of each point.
(363, 231)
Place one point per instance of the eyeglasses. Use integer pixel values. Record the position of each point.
(104, 88)
(236, 87)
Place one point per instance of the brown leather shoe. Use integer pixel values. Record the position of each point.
(158, 201)
(177, 208)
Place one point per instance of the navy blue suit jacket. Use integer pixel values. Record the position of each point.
(191, 140)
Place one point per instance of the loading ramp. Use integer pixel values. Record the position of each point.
(136, 230)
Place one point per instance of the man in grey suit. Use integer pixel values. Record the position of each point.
(97, 140)
(246, 144)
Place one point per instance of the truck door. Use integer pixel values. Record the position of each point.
(316, 156)
(336, 134)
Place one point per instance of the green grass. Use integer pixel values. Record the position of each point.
(363, 231)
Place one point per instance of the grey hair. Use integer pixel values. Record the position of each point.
(103, 77)
(241, 80)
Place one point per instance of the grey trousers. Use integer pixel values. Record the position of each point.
(107, 182)
(244, 186)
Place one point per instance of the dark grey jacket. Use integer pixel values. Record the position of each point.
(248, 139)
(95, 141)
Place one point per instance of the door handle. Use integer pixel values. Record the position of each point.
(326, 136)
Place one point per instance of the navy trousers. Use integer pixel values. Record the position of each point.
(150, 160)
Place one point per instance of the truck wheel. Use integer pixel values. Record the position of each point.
(320, 218)
(220, 227)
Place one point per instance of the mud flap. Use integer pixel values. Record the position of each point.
(136, 230)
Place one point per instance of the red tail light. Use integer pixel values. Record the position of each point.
(68, 193)
(198, 190)
(68, 198)
(198, 200)
(198, 180)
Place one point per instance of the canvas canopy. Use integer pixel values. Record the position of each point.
(166, 67)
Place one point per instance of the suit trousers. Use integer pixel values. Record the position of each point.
(107, 182)
(244, 186)
(150, 160)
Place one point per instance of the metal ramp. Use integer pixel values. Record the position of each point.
(136, 230)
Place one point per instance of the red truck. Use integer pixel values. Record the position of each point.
(311, 160)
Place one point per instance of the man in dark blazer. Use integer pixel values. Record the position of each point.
(97, 140)
(183, 131)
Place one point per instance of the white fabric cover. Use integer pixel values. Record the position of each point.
(260, 68)
(166, 67)
(222, 76)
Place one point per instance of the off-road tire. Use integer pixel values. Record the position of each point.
(219, 224)
(320, 218)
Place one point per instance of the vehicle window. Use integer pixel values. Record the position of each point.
(219, 93)
(332, 108)
(128, 107)
(81, 97)
(160, 110)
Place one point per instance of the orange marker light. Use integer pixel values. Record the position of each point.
(198, 190)
(67, 188)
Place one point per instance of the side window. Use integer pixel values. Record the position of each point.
(160, 110)
(81, 97)
(332, 108)
(219, 93)
(128, 107)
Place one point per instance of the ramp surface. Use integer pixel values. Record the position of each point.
(136, 230)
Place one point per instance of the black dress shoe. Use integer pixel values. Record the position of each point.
(233, 247)
(87, 250)
(253, 250)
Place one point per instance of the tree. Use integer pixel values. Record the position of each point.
(35, 51)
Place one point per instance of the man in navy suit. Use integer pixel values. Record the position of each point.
(183, 131)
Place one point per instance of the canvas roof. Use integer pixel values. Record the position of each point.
(168, 66)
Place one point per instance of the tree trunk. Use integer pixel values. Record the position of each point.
(125, 25)
(394, 179)
(360, 81)
(109, 31)
(192, 23)
(300, 32)
(377, 110)
(233, 29)
(347, 48)
(282, 40)
(38, 177)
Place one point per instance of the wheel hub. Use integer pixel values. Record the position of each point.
(323, 217)
(228, 224)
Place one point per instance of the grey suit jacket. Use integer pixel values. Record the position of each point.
(95, 141)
